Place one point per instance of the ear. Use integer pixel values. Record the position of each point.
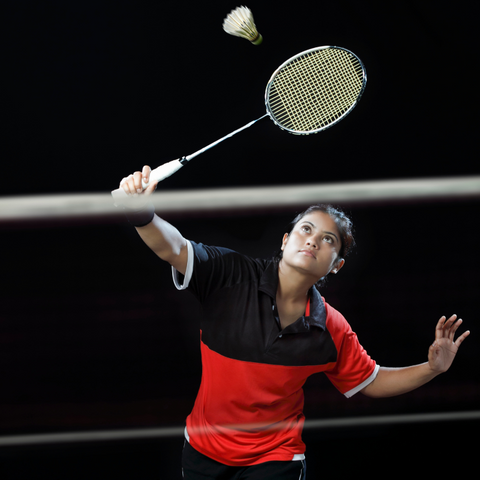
(338, 265)
(284, 241)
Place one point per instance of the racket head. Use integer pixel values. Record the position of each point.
(315, 89)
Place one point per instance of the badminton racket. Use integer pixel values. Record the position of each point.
(307, 94)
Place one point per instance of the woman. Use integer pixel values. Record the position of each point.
(265, 329)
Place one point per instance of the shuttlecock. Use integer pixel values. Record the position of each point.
(239, 22)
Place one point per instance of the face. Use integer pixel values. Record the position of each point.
(313, 246)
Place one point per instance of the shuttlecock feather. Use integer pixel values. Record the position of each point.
(239, 22)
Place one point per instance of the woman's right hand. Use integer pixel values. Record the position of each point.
(132, 185)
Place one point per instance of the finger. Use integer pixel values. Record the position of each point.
(439, 328)
(151, 188)
(462, 337)
(447, 324)
(137, 180)
(127, 185)
(454, 328)
(146, 173)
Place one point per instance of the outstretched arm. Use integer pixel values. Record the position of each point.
(395, 381)
(162, 237)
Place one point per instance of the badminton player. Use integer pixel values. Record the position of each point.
(265, 329)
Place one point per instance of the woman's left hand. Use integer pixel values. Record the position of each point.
(445, 347)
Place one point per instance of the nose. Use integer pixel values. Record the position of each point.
(312, 243)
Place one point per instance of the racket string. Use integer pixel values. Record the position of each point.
(326, 97)
(316, 89)
(324, 103)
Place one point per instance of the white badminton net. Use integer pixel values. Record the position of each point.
(232, 200)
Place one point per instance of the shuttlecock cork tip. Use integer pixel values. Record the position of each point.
(258, 40)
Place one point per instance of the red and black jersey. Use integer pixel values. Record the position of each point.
(249, 408)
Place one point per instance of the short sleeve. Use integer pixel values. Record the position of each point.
(354, 368)
(211, 268)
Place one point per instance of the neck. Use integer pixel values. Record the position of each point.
(292, 285)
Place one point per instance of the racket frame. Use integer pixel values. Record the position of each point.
(289, 61)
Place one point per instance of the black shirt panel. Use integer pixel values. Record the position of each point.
(238, 297)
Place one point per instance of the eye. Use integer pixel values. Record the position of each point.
(328, 239)
(305, 228)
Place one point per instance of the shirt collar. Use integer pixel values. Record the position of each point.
(269, 279)
(318, 312)
(269, 283)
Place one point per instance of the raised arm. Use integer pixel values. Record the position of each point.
(162, 237)
(395, 381)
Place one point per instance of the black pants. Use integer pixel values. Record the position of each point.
(196, 466)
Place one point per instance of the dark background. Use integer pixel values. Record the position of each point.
(92, 333)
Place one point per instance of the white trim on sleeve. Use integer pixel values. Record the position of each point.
(369, 380)
(298, 457)
(188, 272)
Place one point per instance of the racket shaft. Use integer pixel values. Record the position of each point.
(193, 155)
(164, 171)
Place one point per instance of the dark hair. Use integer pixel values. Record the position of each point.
(344, 225)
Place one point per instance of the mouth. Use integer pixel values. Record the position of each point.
(308, 253)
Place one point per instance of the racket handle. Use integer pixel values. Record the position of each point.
(156, 175)
(163, 171)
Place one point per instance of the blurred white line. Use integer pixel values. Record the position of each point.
(191, 202)
(147, 433)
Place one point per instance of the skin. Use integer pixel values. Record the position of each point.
(310, 252)
(162, 237)
(396, 381)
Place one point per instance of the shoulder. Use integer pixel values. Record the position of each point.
(218, 267)
(213, 254)
(210, 252)
(336, 322)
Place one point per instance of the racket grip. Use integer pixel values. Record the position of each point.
(156, 175)
(163, 171)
